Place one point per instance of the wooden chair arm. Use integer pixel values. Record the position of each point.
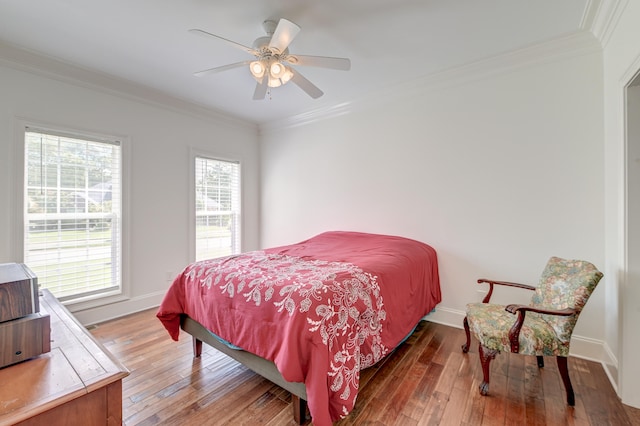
(561, 312)
(504, 283)
(521, 310)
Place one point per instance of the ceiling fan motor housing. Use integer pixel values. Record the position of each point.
(261, 44)
(269, 26)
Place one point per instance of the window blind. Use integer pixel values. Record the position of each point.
(217, 198)
(73, 206)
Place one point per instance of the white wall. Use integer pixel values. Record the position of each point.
(498, 172)
(160, 140)
(621, 58)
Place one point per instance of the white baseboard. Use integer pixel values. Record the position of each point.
(116, 310)
(446, 316)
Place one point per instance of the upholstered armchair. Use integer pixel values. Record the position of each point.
(542, 328)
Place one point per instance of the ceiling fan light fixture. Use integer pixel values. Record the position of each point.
(274, 82)
(281, 78)
(288, 75)
(276, 69)
(257, 69)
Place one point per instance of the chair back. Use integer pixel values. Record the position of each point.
(565, 284)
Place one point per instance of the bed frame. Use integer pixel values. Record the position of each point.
(261, 366)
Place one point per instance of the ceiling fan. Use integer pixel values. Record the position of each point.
(271, 66)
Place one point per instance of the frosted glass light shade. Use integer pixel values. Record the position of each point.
(257, 69)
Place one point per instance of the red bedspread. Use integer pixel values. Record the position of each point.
(322, 309)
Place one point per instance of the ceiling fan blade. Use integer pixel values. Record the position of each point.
(233, 43)
(221, 68)
(261, 89)
(310, 88)
(343, 64)
(284, 34)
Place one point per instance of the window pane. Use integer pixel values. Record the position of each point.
(217, 208)
(72, 224)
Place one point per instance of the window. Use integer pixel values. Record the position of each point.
(217, 198)
(72, 213)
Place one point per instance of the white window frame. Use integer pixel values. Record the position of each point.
(18, 230)
(194, 154)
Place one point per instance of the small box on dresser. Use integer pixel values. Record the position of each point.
(24, 331)
(18, 291)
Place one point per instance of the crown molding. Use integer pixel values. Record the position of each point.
(576, 44)
(309, 117)
(48, 67)
(601, 18)
(572, 45)
(589, 14)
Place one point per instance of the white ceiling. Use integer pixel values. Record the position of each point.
(389, 42)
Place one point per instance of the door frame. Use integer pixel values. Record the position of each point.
(629, 294)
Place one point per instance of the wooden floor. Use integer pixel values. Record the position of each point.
(427, 381)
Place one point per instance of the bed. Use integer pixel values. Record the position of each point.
(308, 316)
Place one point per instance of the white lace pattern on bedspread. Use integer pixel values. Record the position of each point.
(338, 301)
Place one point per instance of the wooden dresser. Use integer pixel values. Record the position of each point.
(77, 383)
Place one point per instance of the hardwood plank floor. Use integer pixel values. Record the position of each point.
(426, 381)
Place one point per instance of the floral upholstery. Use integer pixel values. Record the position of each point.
(563, 284)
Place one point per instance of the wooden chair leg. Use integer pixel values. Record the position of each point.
(564, 373)
(465, 347)
(540, 361)
(197, 347)
(486, 355)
